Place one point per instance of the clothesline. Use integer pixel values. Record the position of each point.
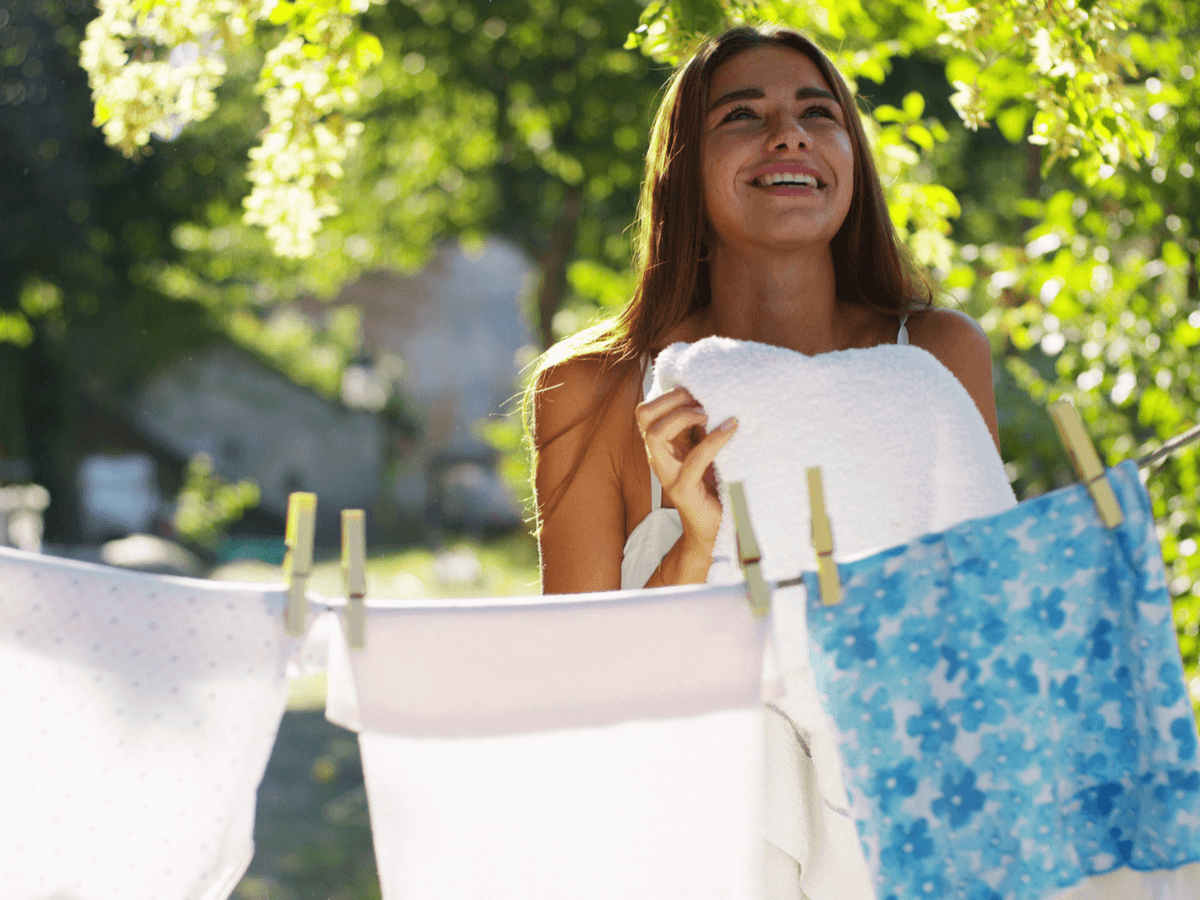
(1169, 447)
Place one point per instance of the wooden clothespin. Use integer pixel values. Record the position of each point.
(1087, 463)
(822, 537)
(297, 564)
(748, 555)
(354, 574)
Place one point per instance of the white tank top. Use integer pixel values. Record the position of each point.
(649, 542)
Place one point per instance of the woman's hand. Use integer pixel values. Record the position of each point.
(681, 455)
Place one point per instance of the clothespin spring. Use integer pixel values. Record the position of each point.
(354, 574)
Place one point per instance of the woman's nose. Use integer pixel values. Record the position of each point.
(787, 133)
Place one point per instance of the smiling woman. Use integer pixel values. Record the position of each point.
(762, 218)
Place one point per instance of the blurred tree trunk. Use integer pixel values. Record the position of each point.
(554, 264)
(50, 398)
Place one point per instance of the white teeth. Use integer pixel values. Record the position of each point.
(787, 178)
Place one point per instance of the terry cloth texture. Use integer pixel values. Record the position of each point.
(584, 746)
(903, 451)
(1011, 707)
(139, 713)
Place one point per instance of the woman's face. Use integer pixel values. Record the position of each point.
(777, 160)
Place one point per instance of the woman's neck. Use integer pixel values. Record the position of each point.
(789, 300)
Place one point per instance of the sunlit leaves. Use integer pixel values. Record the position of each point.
(1058, 67)
(154, 65)
(207, 504)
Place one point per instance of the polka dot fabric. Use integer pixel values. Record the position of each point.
(1011, 709)
(138, 714)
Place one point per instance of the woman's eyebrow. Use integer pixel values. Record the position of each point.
(804, 93)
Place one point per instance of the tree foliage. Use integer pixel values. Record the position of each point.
(154, 67)
(1039, 158)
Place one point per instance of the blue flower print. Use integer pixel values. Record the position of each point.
(1040, 729)
(1066, 693)
(977, 705)
(889, 787)
(958, 659)
(1101, 645)
(1046, 608)
(890, 592)
(1183, 730)
(878, 711)
(1179, 782)
(1172, 685)
(1088, 764)
(933, 728)
(1120, 688)
(1019, 676)
(1182, 780)
(1117, 844)
(931, 887)
(960, 800)
(914, 645)
(1093, 721)
(993, 629)
(1124, 744)
(1097, 802)
(856, 645)
(906, 846)
(1007, 748)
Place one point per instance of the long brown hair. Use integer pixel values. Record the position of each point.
(870, 264)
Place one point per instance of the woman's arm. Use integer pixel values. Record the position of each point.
(962, 346)
(582, 534)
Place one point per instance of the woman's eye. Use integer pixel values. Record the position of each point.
(738, 112)
(818, 110)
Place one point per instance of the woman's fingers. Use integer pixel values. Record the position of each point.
(702, 455)
(647, 412)
(668, 426)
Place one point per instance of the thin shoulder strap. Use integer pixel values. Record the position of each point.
(902, 334)
(655, 485)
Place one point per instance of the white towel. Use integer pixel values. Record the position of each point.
(138, 714)
(903, 451)
(584, 746)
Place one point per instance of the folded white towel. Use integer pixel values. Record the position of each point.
(903, 451)
(902, 447)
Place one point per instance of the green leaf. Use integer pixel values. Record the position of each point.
(367, 50)
(914, 104)
(283, 12)
(1012, 123)
(1174, 255)
(15, 329)
(920, 136)
(1185, 335)
(887, 113)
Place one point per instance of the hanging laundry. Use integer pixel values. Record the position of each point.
(904, 451)
(584, 746)
(1011, 708)
(138, 714)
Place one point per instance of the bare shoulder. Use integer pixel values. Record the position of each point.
(960, 344)
(564, 392)
(570, 393)
(948, 333)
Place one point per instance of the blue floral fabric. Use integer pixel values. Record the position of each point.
(1010, 702)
